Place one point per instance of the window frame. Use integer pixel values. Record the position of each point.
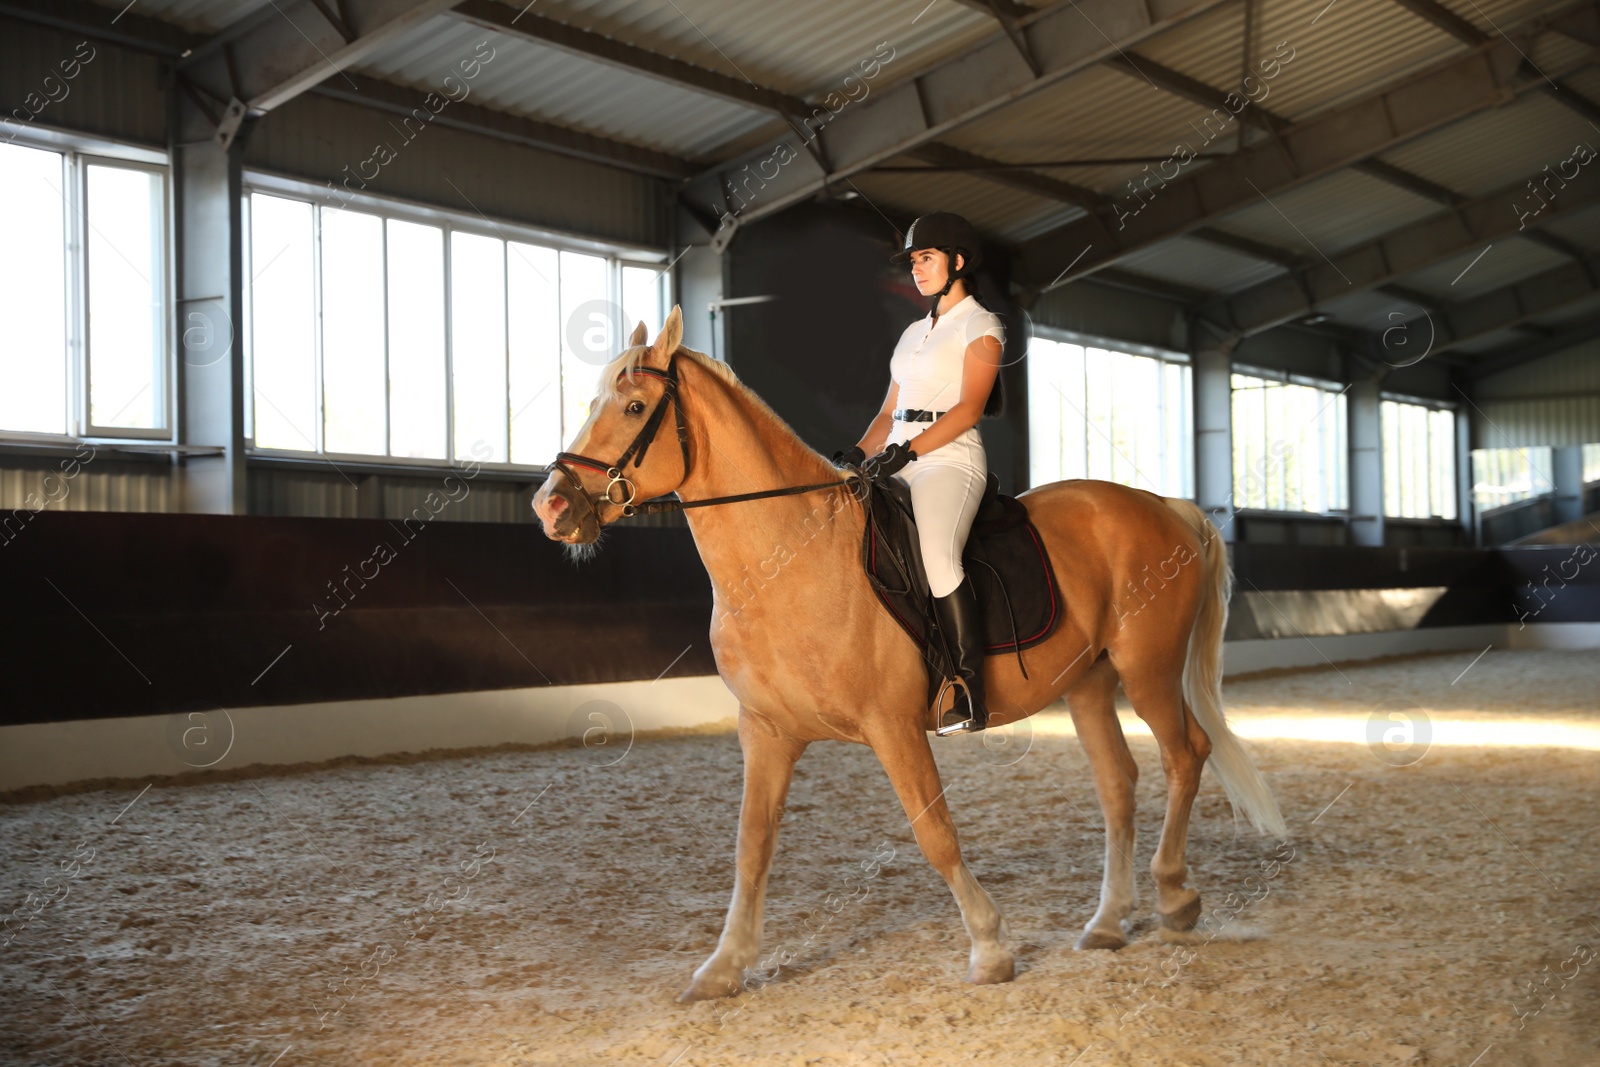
(79, 152)
(618, 254)
(1189, 460)
(1274, 374)
(1453, 485)
(1535, 475)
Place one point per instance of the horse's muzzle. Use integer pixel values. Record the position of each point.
(566, 514)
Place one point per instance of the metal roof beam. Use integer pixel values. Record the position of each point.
(948, 156)
(996, 8)
(1517, 355)
(1066, 39)
(1191, 298)
(1413, 296)
(1444, 93)
(1192, 89)
(527, 26)
(1248, 246)
(1559, 245)
(1582, 26)
(1390, 257)
(1574, 101)
(269, 58)
(1004, 12)
(1514, 305)
(1411, 183)
(1446, 20)
(400, 100)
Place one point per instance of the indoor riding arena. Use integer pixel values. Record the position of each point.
(448, 526)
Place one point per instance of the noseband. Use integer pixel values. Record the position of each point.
(641, 444)
(635, 451)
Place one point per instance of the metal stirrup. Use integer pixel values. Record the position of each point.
(964, 725)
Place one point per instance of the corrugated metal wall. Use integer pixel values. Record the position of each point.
(484, 502)
(1104, 311)
(353, 495)
(1553, 401)
(317, 137)
(305, 493)
(102, 484)
(116, 93)
(330, 494)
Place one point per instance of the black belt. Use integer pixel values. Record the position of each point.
(915, 415)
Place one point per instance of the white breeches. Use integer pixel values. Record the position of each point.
(946, 487)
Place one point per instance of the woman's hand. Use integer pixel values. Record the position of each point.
(891, 459)
(849, 457)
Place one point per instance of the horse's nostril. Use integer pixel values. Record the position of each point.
(558, 504)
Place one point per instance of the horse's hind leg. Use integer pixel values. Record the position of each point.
(769, 761)
(1158, 699)
(1094, 717)
(903, 750)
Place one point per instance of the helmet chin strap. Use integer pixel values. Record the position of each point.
(953, 277)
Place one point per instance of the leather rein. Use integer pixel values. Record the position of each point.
(636, 451)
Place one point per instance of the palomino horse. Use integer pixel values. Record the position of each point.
(803, 644)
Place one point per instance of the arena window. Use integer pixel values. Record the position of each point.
(382, 330)
(1419, 459)
(83, 292)
(1290, 449)
(1506, 475)
(1122, 416)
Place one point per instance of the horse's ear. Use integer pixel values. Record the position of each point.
(668, 340)
(641, 334)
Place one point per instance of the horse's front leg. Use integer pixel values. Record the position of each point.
(769, 761)
(903, 750)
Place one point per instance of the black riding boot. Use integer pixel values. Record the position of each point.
(958, 618)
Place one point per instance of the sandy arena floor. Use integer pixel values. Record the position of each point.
(542, 907)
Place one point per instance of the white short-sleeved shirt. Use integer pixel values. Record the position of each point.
(928, 363)
(930, 357)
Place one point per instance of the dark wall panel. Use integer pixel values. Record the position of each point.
(819, 353)
(112, 615)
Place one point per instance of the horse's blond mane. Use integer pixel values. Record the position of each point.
(631, 358)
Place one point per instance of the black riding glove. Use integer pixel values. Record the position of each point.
(891, 459)
(849, 457)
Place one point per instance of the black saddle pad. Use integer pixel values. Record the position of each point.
(1005, 557)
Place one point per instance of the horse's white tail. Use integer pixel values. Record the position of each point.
(1202, 680)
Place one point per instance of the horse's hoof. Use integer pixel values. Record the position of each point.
(1183, 920)
(707, 989)
(1093, 939)
(709, 983)
(991, 972)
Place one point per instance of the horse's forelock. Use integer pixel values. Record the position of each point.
(625, 363)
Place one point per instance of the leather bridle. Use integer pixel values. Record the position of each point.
(635, 451)
(635, 454)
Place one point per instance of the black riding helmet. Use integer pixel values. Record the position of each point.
(949, 233)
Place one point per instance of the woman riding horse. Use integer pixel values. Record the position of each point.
(742, 476)
(942, 381)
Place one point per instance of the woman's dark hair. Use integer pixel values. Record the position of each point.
(983, 288)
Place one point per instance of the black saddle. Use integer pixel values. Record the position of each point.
(1005, 557)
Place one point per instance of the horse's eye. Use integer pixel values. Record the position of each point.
(635, 407)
